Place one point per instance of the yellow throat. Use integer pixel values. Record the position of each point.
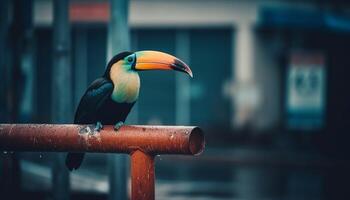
(126, 84)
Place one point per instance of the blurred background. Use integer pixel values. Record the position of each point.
(269, 91)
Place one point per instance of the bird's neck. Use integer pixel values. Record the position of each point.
(126, 85)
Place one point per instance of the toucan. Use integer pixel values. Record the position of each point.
(109, 99)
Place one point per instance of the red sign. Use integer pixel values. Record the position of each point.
(89, 12)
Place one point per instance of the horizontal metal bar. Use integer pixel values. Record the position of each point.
(83, 138)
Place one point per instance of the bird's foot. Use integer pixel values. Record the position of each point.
(118, 125)
(98, 127)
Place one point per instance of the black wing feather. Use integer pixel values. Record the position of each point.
(97, 93)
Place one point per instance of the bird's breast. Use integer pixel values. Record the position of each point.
(126, 88)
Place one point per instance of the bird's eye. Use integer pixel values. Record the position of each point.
(130, 59)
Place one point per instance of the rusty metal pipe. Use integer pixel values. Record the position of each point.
(82, 138)
(141, 142)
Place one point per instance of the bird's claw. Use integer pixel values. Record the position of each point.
(118, 125)
(98, 127)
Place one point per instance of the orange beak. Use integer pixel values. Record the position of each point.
(155, 60)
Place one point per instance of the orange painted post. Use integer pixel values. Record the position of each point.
(141, 142)
(142, 176)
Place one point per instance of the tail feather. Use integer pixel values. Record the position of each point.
(74, 160)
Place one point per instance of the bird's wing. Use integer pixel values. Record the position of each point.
(94, 97)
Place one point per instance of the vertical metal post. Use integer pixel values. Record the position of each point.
(142, 176)
(118, 28)
(27, 68)
(22, 61)
(118, 40)
(14, 79)
(18, 25)
(80, 67)
(3, 65)
(61, 91)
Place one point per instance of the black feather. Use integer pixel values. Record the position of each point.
(74, 160)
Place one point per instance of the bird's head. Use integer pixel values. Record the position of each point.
(131, 62)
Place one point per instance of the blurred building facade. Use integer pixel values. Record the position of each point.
(245, 56)
(248, 40)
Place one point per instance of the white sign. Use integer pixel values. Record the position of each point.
(306, 83)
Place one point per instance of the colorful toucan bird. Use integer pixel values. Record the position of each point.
(109, 99)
